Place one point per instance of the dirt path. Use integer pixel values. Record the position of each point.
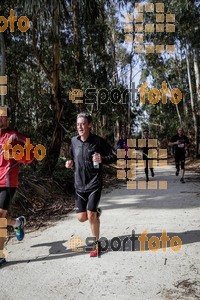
(44, 267)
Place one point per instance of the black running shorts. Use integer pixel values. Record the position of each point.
(87, 200)
(6, 195)
(180, 159)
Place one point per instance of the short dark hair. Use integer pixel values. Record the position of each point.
(146, 130)
(85, 115)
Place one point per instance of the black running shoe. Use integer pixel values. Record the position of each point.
(182, 180)
(152, 173)
(2, 261)
(177, 172)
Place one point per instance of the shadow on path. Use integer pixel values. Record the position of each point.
(125, 243)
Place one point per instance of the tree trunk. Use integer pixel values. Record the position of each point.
(53, 152)
(129, 102)
(3, 62)
(77, 48)
(76, 40)
(194, 117)
(117, 131)
(197, 80)
(185, 101)
(114, 66)
(177, 109)
(185, 106)
(103, 126)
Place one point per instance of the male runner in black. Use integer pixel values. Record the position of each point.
(180, 142)
(88, 149)
(148, 161)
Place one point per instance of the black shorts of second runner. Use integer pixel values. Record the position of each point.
(87, 200)
(6, 195)
(180, 158)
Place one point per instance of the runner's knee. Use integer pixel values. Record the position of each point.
(82, 217)
(92, 216)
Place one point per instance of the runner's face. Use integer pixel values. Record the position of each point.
(3, 122)
(180, 131)
(83, 127)
(146, 135)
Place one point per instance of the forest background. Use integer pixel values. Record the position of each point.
(81, 45)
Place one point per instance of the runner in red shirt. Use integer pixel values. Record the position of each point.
(9, 174)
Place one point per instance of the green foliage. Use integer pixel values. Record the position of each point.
(91, 55)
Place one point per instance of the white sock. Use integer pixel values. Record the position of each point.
(17, 223)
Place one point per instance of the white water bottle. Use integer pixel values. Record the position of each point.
(96, 164)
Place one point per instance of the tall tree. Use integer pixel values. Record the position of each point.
(3, 62)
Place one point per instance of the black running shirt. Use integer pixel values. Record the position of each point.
(183, 140)
(87, 178)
